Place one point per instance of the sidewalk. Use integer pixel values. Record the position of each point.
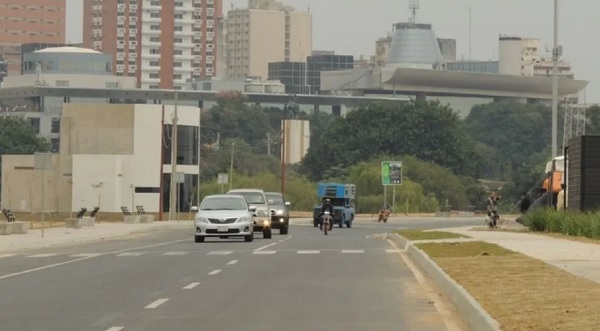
(65, 236)
(578, 258)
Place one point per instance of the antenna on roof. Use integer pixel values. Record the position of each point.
(413, 6)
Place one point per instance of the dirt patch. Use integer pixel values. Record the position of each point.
(520, 292)
(429, 235)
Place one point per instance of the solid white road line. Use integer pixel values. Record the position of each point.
(393, 250)
(131, 254)
(264, 252)
(352, 251)
(6, 255)
(191, 286)
(156, 303)
(175, 253)
(115, 328)
(309, 252)
(219, 253)
(265, 246)
(232, 262)
(86, 255)
(42, 255)
(214, 272)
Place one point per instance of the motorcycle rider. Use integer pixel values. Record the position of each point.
(327, 206)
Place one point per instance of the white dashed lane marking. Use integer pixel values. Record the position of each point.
(156, 303)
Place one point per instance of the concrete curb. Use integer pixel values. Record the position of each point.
(88, 238)
(472, 312)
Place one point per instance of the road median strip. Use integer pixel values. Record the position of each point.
(497, 289)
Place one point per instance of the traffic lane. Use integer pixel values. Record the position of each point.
(94, 292)
(327, 291)
(338, 239)
(163, 240)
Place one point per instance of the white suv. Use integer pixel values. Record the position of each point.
(256, 198)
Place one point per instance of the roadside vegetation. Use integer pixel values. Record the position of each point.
(575, 224)
(520, 292)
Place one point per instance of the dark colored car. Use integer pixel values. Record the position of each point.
(280, 214)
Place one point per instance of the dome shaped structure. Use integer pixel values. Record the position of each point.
(414, 46)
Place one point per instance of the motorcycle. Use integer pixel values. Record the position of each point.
(326, 224)
(384, 214)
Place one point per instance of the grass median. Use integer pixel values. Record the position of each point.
(522, 293)
(428, 235)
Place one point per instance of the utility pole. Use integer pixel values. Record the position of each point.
(283, 133)
(268, 144)
(470, 35)
(199, 164)
(174, 185)
(231, 166)
(555, 56)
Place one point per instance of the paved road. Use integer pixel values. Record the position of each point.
(351, 280)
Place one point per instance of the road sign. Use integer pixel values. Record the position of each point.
(223, 179)
(391, 172)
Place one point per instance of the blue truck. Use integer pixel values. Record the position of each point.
(342, 198)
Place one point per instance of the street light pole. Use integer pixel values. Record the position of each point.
(174, 185)
(555, 56)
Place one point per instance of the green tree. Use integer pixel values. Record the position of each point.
(428, 130)
(17, 136)
(593, 119)
(432, 179)
(509, 133)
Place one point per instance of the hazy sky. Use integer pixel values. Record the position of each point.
(352, 26)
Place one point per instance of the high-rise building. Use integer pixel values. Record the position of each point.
(521, 56)
(31, 21)
(266, 32)
(162, 43)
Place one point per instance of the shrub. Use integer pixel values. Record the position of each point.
(581, 224)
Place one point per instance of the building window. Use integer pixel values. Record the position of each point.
(153, 75)
(55, 125)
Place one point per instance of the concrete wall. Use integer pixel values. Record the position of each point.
(300, 36)
(297, 140)
(97, 129)
(21, 184)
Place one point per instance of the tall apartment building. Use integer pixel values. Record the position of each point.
(265, 32)
(522, 57)
(30, 21)
(161, 43)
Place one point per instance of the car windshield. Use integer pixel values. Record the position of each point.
(223, 203)
(275, 199)
(252, 198)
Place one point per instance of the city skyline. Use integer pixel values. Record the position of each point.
(341, 34)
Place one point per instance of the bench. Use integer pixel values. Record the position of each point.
(80, 220)
(144, 218)
(11, 226)
(128, 218)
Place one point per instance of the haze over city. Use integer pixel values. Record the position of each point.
(363, 22)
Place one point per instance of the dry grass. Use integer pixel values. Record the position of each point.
(520, 292)
(428, 235)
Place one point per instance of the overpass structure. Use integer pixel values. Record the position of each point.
(157, 96)
(442, 83)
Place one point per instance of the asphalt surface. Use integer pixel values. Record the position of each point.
(352, 279)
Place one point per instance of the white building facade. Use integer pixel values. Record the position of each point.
(110, 156)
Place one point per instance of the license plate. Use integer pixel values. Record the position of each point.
(223, 229)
